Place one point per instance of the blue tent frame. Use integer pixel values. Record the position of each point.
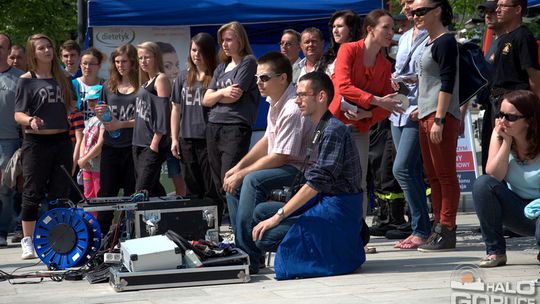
(264, 20)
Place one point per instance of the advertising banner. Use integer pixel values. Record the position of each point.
(173, 41)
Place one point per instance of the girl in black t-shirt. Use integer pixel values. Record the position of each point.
(117, 170)
(234, 100)
(150, 142)
(41, 105)
(189, 117)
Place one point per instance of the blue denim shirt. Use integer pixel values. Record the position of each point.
(406, 44)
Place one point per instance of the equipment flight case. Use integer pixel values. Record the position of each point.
(221, 270)
(190, 218)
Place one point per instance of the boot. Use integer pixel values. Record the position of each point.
(397, 217)
(379, 224)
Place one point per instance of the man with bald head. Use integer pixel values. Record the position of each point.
(9, 134)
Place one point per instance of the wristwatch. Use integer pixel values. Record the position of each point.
(281, 212)
(30, 121)
(440, 121)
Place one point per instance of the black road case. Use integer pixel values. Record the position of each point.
(227, 270)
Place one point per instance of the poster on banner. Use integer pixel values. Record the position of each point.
(466, 167)
(173, 40)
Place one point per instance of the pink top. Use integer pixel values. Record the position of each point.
(287, 131)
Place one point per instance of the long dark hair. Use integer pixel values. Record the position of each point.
(528, 104)
(114, 76)
(207, 46)
(352, 21)
(447, 16)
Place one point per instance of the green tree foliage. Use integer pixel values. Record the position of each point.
(54, 18)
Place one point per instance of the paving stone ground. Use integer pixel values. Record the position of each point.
(390, 276)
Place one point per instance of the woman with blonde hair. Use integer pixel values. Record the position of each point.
(233, 98)
(42, 102)
(117, 170)
(152, 120)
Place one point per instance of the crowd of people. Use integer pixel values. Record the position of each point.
(301, 190)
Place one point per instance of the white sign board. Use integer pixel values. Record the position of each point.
(175, 38)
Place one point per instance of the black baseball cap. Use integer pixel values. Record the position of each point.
(488, 5)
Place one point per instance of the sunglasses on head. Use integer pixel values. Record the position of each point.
(265, 77)
(419, 12)
(509, 117)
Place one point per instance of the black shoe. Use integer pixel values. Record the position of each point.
(17, 237)
(401, 232)
(441, 239)
(380, 230)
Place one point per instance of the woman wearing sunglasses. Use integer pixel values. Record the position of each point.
(512, 175)
(189, 117)
(438, 112)
(345, 27)
(233, 98)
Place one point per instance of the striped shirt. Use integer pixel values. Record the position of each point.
(76, 122)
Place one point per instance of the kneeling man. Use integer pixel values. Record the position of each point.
(317, 232)
(275, 159)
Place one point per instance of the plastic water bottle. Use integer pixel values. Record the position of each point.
(107, 117)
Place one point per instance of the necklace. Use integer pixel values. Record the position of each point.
(521, 162)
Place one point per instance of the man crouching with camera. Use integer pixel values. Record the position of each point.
(317, 232)
(275, 159)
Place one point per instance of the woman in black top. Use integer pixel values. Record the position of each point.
(117, 170)
(150, 141)
(189, 117)
(234, 100)
(439, 115)
(41, 105)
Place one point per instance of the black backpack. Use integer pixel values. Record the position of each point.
(474, 73)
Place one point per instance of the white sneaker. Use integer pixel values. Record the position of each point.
(28, 249)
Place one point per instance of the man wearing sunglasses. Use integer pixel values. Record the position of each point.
(275, 159)
(290, 47)
(516, 59)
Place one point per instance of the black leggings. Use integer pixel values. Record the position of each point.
(42, 156)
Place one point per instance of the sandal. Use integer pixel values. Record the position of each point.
(493, 260)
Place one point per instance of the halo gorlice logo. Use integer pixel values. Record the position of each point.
(115, 37)
(469, 286)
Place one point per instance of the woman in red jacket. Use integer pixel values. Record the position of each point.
(362, 84)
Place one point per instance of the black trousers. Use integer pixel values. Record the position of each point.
(197, 173)
(117, 171)
(42, 156)
(227, 144)
(148, 168)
